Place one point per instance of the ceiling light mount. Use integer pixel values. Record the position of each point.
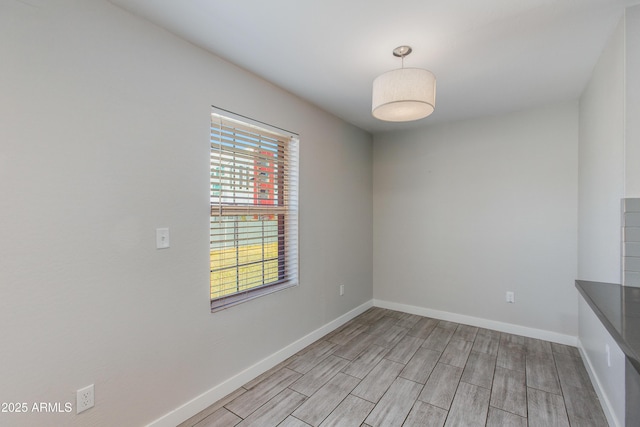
(405, 94)
(402, 51)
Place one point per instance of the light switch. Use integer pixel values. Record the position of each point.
(162, 238)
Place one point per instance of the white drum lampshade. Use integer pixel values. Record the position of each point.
(404, 95)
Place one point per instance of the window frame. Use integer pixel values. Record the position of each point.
(284, 182)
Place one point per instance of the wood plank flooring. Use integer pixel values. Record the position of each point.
(387, 368)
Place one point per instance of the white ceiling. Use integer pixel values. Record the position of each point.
(489, 56)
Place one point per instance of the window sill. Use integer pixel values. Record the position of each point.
(232, 300)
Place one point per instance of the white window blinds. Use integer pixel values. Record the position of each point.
(254, 215)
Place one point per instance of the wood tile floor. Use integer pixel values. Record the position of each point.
(387, 368)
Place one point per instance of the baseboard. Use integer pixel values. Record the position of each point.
(607, 407)
(479, 322)
(221, 390)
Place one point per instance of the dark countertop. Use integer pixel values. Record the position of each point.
(618, 308)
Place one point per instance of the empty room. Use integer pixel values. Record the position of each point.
(221, 213)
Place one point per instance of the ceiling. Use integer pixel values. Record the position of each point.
(489, 56)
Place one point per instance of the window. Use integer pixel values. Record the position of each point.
(254, 219)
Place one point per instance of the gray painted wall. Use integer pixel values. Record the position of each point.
(105, 137)
(465, 211)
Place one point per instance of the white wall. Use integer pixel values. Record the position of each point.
(465, 211)
(601, 166)
(632, 101)
(601, 186)
(104, 137)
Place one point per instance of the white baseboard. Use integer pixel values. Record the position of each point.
(479, 322)
(221, 390)
(607, 407)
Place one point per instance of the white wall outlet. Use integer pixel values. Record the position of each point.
(162, 238)
(607, 350)
(341, 290)
(510, 297)
(84, 399)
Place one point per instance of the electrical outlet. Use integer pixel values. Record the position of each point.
(510, 297)
(162, 238)
(84, 399)
(341, 290)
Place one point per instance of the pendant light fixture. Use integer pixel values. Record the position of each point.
(404, 94)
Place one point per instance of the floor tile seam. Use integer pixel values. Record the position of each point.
(323, 355)
(513, 370)
(486, 417)
(269, 400)
(238, 415)
(359, 379)
(526, 400)
(488, 404)
(299, 405)
(310, 347)
(392, 360)
(526, 417)
(575, 357)
(450, 403)
(463, 339)
(293, 416)
(358, 354)
(405, 378)
(431, 373)
(434, 404)
(378, 363)
(517, 370)
(347, 341)
(454, 366)
(354, 360)
(310, 369)
(436, 349)
(485, 352)
(555, 370)
(414, 400)
(399, 361)
(323, 384)
(545, 391)
(345, 398)
(479, 385)
(336, 407)
(540, 389)
(415, 336)
(564, 401)
(199, 420)
(495, 356)
(262, 393)
(364, 398)
(591, 392)
(340, 357)
(475, 385)
(404, 420)
(540, 353)
(388, 387)
(589, 385)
